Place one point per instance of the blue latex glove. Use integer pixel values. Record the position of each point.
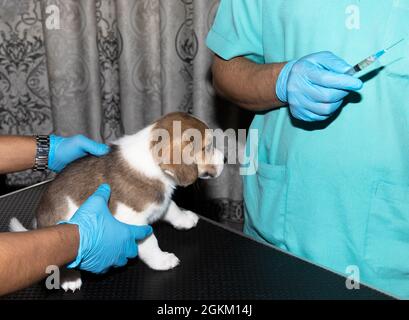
(65, 150)
(104, 241)
(315, 86)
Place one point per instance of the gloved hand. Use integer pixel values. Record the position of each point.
(104, 241)
(65, 150)
(315, 86)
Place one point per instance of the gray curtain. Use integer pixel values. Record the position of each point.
(113, 67)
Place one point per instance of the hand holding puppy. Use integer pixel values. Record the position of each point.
(65, 150)
(104, 241)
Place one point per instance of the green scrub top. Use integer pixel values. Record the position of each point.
(333, 192)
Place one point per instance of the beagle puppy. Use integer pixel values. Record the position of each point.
(143, 170)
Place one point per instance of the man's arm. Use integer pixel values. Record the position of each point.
(92, 240)
(247, 84)
(24, 256)
(17, 153)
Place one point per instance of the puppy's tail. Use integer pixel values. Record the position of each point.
(16, 226)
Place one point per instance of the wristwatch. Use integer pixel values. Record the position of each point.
(43, 149)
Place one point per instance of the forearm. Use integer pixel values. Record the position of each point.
(249, 85)
(24, 256)
(17, 153)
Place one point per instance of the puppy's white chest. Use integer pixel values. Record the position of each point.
(150, 214)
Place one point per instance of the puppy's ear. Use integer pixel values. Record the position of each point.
(184, 175)
(169, 152)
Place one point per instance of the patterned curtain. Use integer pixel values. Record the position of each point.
(110, 67)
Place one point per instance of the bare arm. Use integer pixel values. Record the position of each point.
(16, 153)
(248, 84)
(24, 256)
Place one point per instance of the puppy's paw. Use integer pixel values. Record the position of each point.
(73, 285)
(187, 220)
(70, 280)
(163, 261)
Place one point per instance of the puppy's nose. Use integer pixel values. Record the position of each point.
(205, 175)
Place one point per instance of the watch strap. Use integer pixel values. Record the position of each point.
(43, 149)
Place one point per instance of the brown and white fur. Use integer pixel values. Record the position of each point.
(141, 185)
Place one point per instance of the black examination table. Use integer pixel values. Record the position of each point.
(216, 264)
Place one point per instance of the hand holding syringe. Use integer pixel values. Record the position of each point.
(370, 60)
(315, 86)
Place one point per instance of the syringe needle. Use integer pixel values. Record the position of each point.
(371, 59)
(394, 45)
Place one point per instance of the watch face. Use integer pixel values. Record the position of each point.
(42, 151)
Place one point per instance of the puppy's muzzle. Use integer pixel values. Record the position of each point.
(215, 168)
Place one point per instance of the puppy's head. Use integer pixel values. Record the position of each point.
(182, 146)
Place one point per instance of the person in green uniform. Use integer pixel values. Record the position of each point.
(332, 184)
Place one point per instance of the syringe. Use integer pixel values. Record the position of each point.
(370, 60)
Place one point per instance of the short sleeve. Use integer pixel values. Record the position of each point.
(237, 30)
